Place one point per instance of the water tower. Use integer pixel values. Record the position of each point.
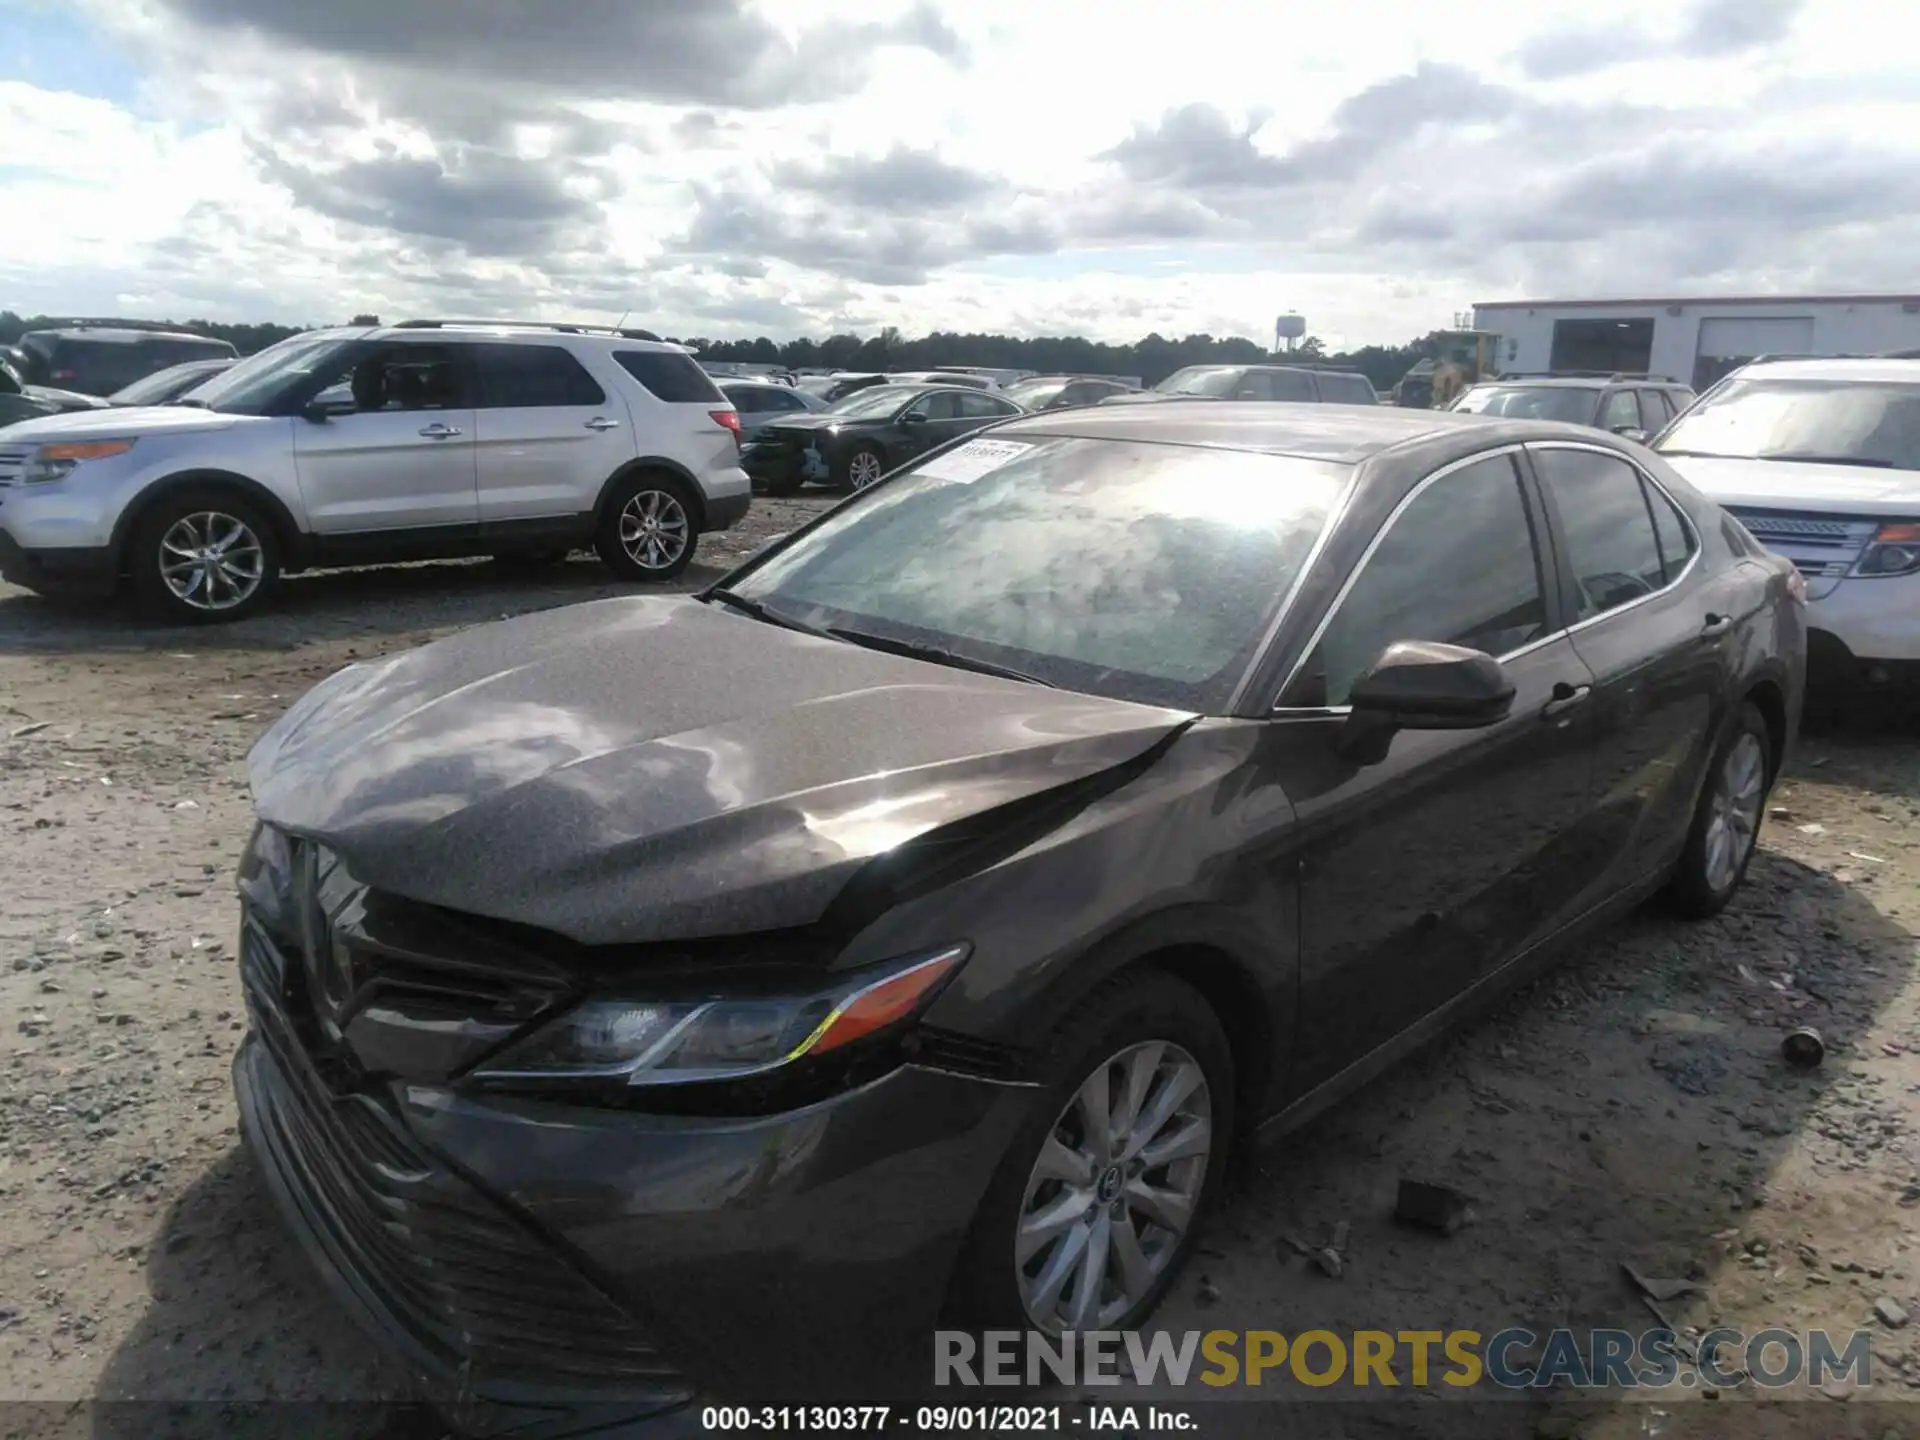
(1288, 329)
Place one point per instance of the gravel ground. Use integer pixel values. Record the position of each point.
(1631, 1106)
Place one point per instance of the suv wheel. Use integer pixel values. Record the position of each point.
(862, 468)
(648, 531)
(204, 556)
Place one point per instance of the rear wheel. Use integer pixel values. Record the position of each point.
(1726, 822)
(1092, 1213)
(647, 530)
(204, 556)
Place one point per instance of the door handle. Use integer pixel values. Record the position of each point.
(1565, 697)
(600, 422)
(1716, 626)
(437, 431)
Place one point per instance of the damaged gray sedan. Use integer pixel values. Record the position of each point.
(704, 995)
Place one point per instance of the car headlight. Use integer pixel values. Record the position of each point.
(687, 1041)
(1894, 550)
(55, 462)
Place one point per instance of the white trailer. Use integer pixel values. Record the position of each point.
(1694, 340)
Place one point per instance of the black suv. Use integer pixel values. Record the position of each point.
(100, 359)
(1636, 406)
(1306, 383)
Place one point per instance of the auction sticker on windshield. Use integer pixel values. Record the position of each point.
(966, 464)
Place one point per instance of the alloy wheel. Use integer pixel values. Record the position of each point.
(1733, 814)
(211, 561)
(863, 469)
(1114, 1190)
(654, 529)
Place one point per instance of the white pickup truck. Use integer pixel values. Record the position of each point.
(1820, 460)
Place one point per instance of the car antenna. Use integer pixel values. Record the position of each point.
(623, 318)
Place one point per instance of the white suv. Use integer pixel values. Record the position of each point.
(1820, 460)
(424, 440)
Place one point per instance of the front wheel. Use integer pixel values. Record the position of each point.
(648, 530)
(1726, 822)
(1092, 1213)
(862, 468)
(204, 557)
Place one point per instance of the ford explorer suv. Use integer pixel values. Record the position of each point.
(424, 440)
(1635, 407)
(1820, 460)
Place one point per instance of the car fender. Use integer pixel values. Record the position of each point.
(293, 541)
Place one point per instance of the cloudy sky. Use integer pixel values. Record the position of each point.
(1105, 167)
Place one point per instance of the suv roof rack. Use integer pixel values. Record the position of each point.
(556, 327)
(1846, 355)
(1587, 375)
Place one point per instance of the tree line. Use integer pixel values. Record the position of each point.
(1151, 358)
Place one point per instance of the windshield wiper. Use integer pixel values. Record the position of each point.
(937, 654)
(1803, 458)
(760, 612)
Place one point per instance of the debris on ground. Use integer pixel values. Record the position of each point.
(1658, 1287)
(1890, 1312)
(1803, 1048)
(1439, 1208)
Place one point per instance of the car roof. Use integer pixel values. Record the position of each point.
(1898, 371)
(116, 335)
(1579, 382)
(1341, 434)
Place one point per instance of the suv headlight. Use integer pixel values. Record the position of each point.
(1895, 550)
(681, 1042)
(56, 462)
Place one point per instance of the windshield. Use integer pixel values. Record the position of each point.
(253, 385)
(1217, 380)
(1838, 421)
(163, 385)
(872, 403)
(1035, 393)
(1571, 404)
(1138, 571)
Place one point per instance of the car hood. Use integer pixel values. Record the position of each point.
(660, 768)
(1151, 397)
(820, 421)
(1789, 485)
(120, 422)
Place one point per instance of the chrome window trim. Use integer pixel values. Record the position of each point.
(1360, 568)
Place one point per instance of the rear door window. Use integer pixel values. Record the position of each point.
(1654, 410)
(520, 377)
(1336, 389)
(1618, 412)
(670, 376)
(979, 407)
(1613, 549)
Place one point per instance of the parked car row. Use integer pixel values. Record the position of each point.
(704, 996)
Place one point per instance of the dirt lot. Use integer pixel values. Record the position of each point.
(1632, 1107)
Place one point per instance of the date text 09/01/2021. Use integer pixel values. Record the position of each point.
(941, 1419)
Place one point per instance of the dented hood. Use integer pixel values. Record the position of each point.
(645, 769)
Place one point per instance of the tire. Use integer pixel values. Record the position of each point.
(203, 542)
(1733, 802)
(863, 466)
(622, 538)
(1131, 1013)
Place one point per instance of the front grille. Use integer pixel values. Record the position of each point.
(968, 1054)
(477, 1297)
(1822, 547)
(13, 464)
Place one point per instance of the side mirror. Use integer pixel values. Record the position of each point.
(914, 417)
(321, 411)
(1423, 685)
(1631, 432)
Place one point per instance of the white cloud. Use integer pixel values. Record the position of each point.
(734, 168)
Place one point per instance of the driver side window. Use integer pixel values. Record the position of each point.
(1613, 549)
(1458, 565)
(399, 377)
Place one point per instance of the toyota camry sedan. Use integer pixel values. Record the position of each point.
(700, 996)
